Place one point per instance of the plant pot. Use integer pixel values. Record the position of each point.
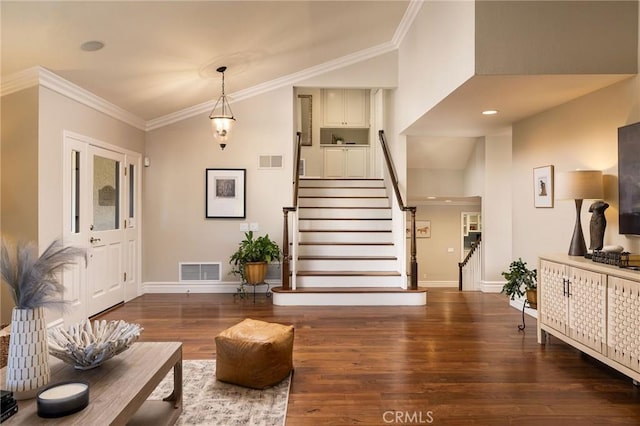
(254, 272)
(28, 360)
(532, 298)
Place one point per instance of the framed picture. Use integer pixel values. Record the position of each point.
(423, 229)
(225, 193)
(543, 187)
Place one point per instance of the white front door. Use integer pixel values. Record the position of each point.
(106, 230)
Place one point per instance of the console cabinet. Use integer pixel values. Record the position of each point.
(593, 307)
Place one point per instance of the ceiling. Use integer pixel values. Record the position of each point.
(160, 58)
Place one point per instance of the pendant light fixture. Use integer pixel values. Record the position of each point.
(222, 118)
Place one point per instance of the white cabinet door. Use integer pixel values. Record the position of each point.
(356, 111)
(333, 107)
(334, 162)
(623, 331)
(356, 162)
(552, 291)
(588, 308)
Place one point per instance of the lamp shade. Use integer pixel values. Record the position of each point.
(579, 185)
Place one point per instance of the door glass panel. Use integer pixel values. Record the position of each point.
(106, 194)
(132, 187)
(75, 192)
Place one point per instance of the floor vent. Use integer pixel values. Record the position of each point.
(205, 271)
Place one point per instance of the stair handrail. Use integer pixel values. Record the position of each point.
(286, 258)
(394, 182)
(474, 247)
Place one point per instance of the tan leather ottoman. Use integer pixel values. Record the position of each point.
(255, 354)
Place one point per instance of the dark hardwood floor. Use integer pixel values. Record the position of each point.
(460, 360)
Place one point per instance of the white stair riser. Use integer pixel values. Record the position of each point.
(349, 250)
(347, 265)
(343, 202)
(341, 182)
(374, 225)
(338, 213)
(345, 237)
(355, 281)
(342, 192)
(350, 299)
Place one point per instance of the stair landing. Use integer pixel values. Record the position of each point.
(349, 296)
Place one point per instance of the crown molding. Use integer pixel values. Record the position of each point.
(406, 22)
(45, 78)
(285, 81)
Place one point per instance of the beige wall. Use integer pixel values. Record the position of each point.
(579, 134)
(19, 175)
(422, 183)
(313, 154)
(436, 265)
(175, 227)
(556, 37)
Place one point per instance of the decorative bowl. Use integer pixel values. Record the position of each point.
(85, 346)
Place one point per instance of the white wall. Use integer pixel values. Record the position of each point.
(579, 134)
(435, 57)
(475, 170)
(496, 214)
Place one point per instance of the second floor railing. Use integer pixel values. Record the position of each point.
(394, 182)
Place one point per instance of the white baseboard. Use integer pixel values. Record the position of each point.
(438, 284)
(204, 287)
(518, 305)
(491, 286)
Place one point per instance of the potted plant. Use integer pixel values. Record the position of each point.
(520, 281)
(34, 284)
(252, 257)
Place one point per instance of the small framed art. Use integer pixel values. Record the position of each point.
(225, 193)
(543, 187)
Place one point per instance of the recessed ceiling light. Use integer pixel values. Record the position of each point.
(431, 198)
(490, 112)
(91, 46)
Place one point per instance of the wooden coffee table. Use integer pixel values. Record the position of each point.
(118, 389)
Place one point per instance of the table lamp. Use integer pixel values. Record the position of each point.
(578, 185)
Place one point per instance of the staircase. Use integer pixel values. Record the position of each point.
(344, 247)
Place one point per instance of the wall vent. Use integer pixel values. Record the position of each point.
(302, 171)
(270, 162)
(274, 271)
(204, 271)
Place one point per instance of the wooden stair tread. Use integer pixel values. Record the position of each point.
(343, 207)
(325, 243)
(345, 218)
(358, 197)
(328, 257)
(344, 230)
(348, 273)
(342, 187)
(348, 290)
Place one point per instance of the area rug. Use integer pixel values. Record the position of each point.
(206, 401)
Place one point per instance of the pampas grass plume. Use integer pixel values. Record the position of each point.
(34, 281)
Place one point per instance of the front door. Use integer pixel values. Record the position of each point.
(106, 230)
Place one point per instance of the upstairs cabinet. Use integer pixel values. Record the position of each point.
(345, 162)
(345, 107)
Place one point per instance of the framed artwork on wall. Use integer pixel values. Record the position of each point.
(225, 193)
(543, 187)
(423, 229)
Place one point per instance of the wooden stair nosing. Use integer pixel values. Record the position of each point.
(344, 207)
(345, 230)
(341, 187)
(315, 257)
(333, 179)
(348, 290)
(344, 218)
(327, 243)
(348, 273)
(355, 197)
